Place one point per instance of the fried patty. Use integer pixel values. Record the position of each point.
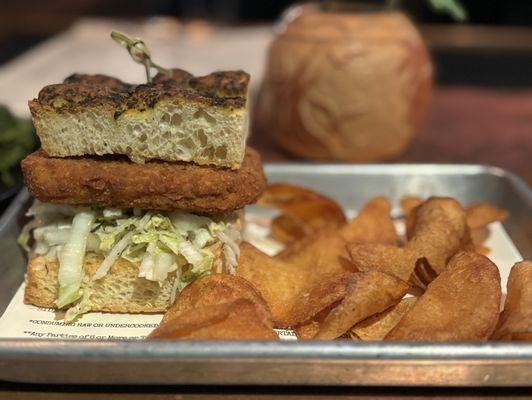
(114, 181)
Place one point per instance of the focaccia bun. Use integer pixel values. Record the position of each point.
(178, 118)
(120, 291)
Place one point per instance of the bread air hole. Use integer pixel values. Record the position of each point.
(187, 143)
(209, 152)
(166, 118)
(202, 137)
(202, 114)
(176, 120)
(221, 152)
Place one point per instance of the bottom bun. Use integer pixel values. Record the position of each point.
(120, 291)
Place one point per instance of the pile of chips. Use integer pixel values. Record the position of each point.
(359, 280)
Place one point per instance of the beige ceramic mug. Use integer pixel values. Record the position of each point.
(346, 86)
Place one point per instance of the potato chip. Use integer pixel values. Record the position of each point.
(378, 257)
(217, 306)
(422, 276)
(326, 244)
(439, 230)
(408, 203)
(377, 326)
(307, 330)
(236, 320)
(301, 282)
(294, 293)
(480, 215)
(287, 229)
(462, 303)
(373, 224)
(304, 211)
(516, 320)
(216, 289)
(320, 296)
(367, 293)
(478, 218)
(479, 236)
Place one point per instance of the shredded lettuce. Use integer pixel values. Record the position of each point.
(71, 259)
(112, 213)
(80, 307)
(185, 222)
(202, 238)
(163, 244)
(194, 272)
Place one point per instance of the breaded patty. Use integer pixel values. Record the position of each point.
(114, 181)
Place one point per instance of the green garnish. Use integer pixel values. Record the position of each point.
(16, 140)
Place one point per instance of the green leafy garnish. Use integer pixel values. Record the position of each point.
(16, 140)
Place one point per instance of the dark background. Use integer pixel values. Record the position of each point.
(494, 48)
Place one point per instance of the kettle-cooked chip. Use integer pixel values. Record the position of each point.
(299, 284)
(294, 293)
(304, 211)
(480, 215)
(478, 218)
(237, 320)
(367, 293)
(462, 303)
(373, 224)
(377, 326)
(516, 320)
(438, 230)
(215, 289)
(392, 260)
(217, 306)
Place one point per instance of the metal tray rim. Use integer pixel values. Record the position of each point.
(219, 349)
(400, 168)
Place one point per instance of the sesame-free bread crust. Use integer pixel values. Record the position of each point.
(177, 118)
(120, 291)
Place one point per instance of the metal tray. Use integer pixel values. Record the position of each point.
(292, 363)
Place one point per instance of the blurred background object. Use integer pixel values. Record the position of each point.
(17, 139)
(494, 47)
(344, 83)
(481, 106)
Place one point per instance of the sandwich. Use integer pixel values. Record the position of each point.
(139, 189)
